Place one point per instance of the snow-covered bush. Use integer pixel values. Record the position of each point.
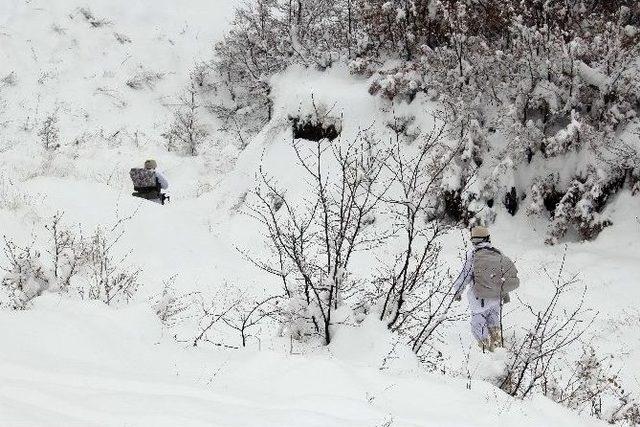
(11, 196)
(171, 306)
(593, 387)
(25, 277)
(110, 280)
(541, 361)
(525, 87)
(68, 252)
(49, 132)
(404, 127)
(552, 95)
(68, 263)
(266, 37)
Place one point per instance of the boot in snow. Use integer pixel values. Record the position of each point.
(486, 345)
(495, 335)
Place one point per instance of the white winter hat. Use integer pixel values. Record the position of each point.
(480, 232)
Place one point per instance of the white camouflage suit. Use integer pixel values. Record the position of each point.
(162, 181)
(485, 312)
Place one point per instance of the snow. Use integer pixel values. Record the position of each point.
(592, 76)
(67, 363)
(630, 30)
(70, 362)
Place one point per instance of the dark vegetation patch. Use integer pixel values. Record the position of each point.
(313, 129)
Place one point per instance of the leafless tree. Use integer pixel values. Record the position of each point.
(319, 240)
(417, 176)
(187, 132)
(313, 246)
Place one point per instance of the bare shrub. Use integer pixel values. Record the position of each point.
(591, 386)
(536, 356)
(68, 251)
(540, 360)
(29, 273)
(354, 185)
(211, 312)
(110, 279)
(246, 315)
(11, 196)
(49, 133)
(122, 38)
(58, 29)
(144, 79)
(116, 98)
(415, 295)
(10, 79)
(171, 306)
(25, 276)
(69, 263)
(230, 309)
(92, 19)
(187, 132)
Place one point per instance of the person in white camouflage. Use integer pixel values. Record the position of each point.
(486, 310)
(148, 182)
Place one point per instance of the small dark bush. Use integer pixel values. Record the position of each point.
(313, 130)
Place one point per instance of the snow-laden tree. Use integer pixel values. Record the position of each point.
(266, 37)
(527, 89)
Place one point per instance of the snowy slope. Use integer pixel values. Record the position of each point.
(70, 364)
(105, 126)
(67, 362)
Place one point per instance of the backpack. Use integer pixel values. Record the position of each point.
(146, 185)
(494, 274)
(143, 178)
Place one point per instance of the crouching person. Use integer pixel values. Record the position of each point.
(490, 276)
(148, 183)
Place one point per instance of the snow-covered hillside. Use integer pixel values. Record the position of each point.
(70, 364)
(110, 72)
